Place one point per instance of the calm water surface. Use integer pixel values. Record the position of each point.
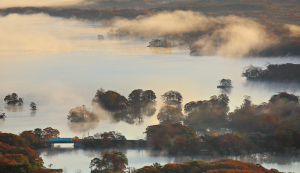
(73, 159)
(59, 64)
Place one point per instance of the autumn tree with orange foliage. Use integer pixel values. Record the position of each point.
(174, 137)
(221, 166)
(16, 156)
(82, 114)
(205, 114)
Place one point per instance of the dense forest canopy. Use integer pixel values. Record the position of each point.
(16, 154)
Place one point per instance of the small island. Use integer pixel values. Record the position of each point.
(273, 72)
(2, 115)
(160, 43)
(225, 83)
(100, 37)
(13, 99)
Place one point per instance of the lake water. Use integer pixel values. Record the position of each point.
(59, 64)
(73, 159)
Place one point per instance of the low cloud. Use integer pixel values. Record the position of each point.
(229, 36)
(294, 29)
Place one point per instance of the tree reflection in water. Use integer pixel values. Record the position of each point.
(272, 86)
(82, 127)
(14, 108)
(225, 90)
(146, 154)
(2, 120)
(32, 113)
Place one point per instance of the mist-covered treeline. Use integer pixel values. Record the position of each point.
(273, 72)
(232, 29)
(139, 103)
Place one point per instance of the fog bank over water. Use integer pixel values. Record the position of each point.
(228, 36)
(40, 34)
(59, 64)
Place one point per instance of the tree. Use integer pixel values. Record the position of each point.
(142, 102)
(159, 43)
(252, 72)
(49, 132)
(110, 100)
(13, 99)
(82, 114)
(160, 135)
(247, 101)
(109, 161)
(169, 114)
(131, 111)
(16, 156)
(173, 98)
(30, 138)
(284, 97)
(32, 106)
(38, 132)
(205, 114)
(108, 137)
(75, 139)
(226, 83)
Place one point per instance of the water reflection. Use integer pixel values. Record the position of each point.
(140, 158)
(133, 117)
(273, 86)
(56, 151)
(160, 50)
(2, 120)
(13, 108)
(82, 127)
(32, 113)
(225, 91)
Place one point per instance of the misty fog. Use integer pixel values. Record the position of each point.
(60, 63)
